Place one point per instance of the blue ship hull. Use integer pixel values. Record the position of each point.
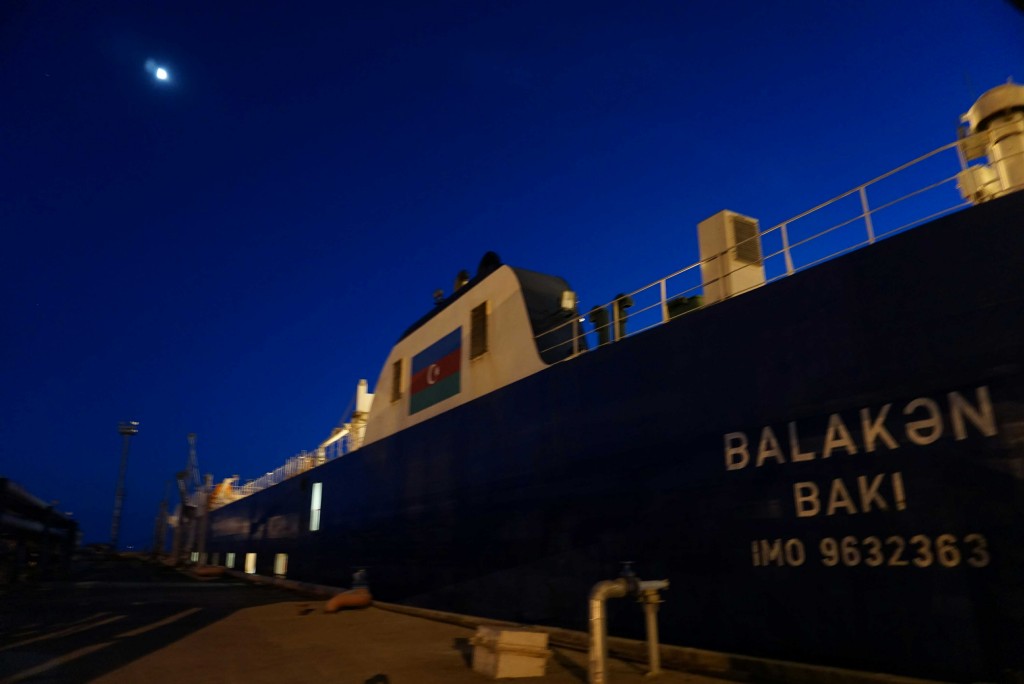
(698, 451)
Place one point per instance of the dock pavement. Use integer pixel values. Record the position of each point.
(122, 619)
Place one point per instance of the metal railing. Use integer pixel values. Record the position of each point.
(296, 465)
(840, 225)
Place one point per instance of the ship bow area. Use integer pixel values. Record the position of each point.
(828, 469)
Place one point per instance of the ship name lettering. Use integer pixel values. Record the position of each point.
(867, 494)
(924, 423)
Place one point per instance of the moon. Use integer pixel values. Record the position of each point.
(158, 72)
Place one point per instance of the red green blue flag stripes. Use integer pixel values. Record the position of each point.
(436, 372)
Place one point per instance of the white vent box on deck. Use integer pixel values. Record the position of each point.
(500, 652)
(730, 255)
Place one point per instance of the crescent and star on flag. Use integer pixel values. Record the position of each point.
(433, 373)
(436, 372)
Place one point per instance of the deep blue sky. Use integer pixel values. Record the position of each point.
(230, 252)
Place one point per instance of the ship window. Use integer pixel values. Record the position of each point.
(194, 557)
(250, 563)
(203, 558)
(396, 380)
(229, 559)
(748, 247)
(478, 331)
(280, 564)
(314, 506)
(216, 559)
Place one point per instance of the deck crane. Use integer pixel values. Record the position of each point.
(185, 517)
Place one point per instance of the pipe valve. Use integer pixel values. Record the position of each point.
(647, 593)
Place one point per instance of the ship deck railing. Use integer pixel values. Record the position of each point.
(912, 194)
(296, 465)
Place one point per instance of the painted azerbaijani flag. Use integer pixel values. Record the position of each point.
(436, 372)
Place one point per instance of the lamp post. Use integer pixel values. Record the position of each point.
(126, 430)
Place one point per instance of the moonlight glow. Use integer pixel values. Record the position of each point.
(161, 73)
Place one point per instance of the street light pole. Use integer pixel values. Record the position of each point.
(126, 430)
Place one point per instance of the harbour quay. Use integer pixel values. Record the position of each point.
(123, 618)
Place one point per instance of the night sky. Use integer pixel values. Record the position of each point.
(228, 252)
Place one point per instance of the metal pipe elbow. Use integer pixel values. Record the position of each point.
(616, 588)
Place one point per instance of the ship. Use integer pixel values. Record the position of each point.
(824, 456)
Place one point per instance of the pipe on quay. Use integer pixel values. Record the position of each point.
(651, 598)
(598, 659)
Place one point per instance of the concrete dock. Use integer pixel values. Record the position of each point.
(294, 641)
(124, 620)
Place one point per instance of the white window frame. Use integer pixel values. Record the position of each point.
(315, 504)
(280, 565)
